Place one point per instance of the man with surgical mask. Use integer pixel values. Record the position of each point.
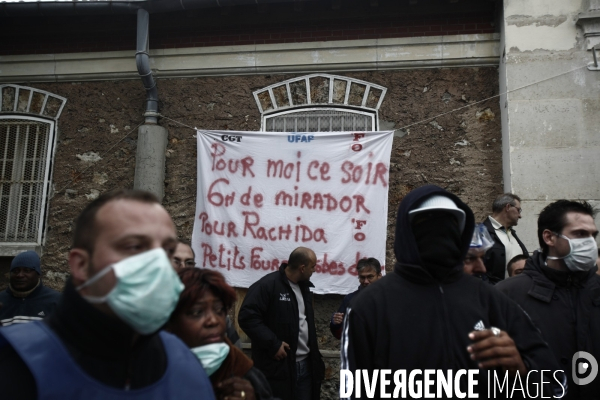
(560, 290)
(121, 292)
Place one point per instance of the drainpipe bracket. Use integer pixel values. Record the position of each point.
(151, 118)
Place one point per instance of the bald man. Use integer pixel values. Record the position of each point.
(277, 315)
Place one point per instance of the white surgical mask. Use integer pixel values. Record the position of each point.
(146, 292)
(211, 356)
(582, 256)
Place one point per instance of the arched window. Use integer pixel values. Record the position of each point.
(27, 140)
(320, 103)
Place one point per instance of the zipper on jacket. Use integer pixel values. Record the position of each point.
(447, 329)
(570, 296)
(129, 372)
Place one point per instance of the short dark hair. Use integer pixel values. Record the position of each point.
(369, 263)
(504, 199)
(85, 232)
(513, 261)
(554, 217)
(188, 244)
(300, 256)
(197, 282)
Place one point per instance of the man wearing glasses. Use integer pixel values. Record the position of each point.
(369, 270)
(506, 211)
(184, 256)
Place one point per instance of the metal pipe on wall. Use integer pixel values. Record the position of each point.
(150, 159)
(142, 61)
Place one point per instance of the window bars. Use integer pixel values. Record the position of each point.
(319, 120)
(25, 149)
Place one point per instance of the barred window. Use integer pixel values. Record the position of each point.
(319, 120)
(26, 146)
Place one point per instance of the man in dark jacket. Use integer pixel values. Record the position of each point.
(506, 212)
(560, 291)
(102, 341)
(369, 271)
(277, 314)
(26, 299)
(429, 315)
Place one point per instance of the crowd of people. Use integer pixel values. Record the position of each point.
(136, 319)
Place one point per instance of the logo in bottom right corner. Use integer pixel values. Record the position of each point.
(584, 368)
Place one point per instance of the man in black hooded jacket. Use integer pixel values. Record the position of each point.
(428, 314)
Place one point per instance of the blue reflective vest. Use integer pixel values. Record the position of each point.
(57, 375)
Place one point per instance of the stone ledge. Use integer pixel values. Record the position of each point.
(350, 55)
(590, 23)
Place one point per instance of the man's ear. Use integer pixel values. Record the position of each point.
(79, 263)
(549, 238)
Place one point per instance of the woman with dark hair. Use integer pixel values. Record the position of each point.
(199, 321)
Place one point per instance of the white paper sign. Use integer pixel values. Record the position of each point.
(263, 194)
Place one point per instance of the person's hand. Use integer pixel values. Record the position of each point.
(282, 352)
(491, 351)
(235, 389)
(338, 318)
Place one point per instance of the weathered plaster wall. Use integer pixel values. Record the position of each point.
(541, 24)
(551, 130)
(459, 151)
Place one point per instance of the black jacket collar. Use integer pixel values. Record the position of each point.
(492, 232)
(33, 293)
(418, 274)
(546, 279)
(284, 278)
(86, 329)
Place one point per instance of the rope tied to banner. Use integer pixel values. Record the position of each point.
(486, 99)
(447, 112)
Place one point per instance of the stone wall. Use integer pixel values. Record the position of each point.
(551, 129)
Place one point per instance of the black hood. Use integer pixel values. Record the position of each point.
(405, 245)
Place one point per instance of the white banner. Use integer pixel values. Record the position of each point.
(262, 194)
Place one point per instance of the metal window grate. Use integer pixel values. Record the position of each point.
(23, 178)
(322, 120)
